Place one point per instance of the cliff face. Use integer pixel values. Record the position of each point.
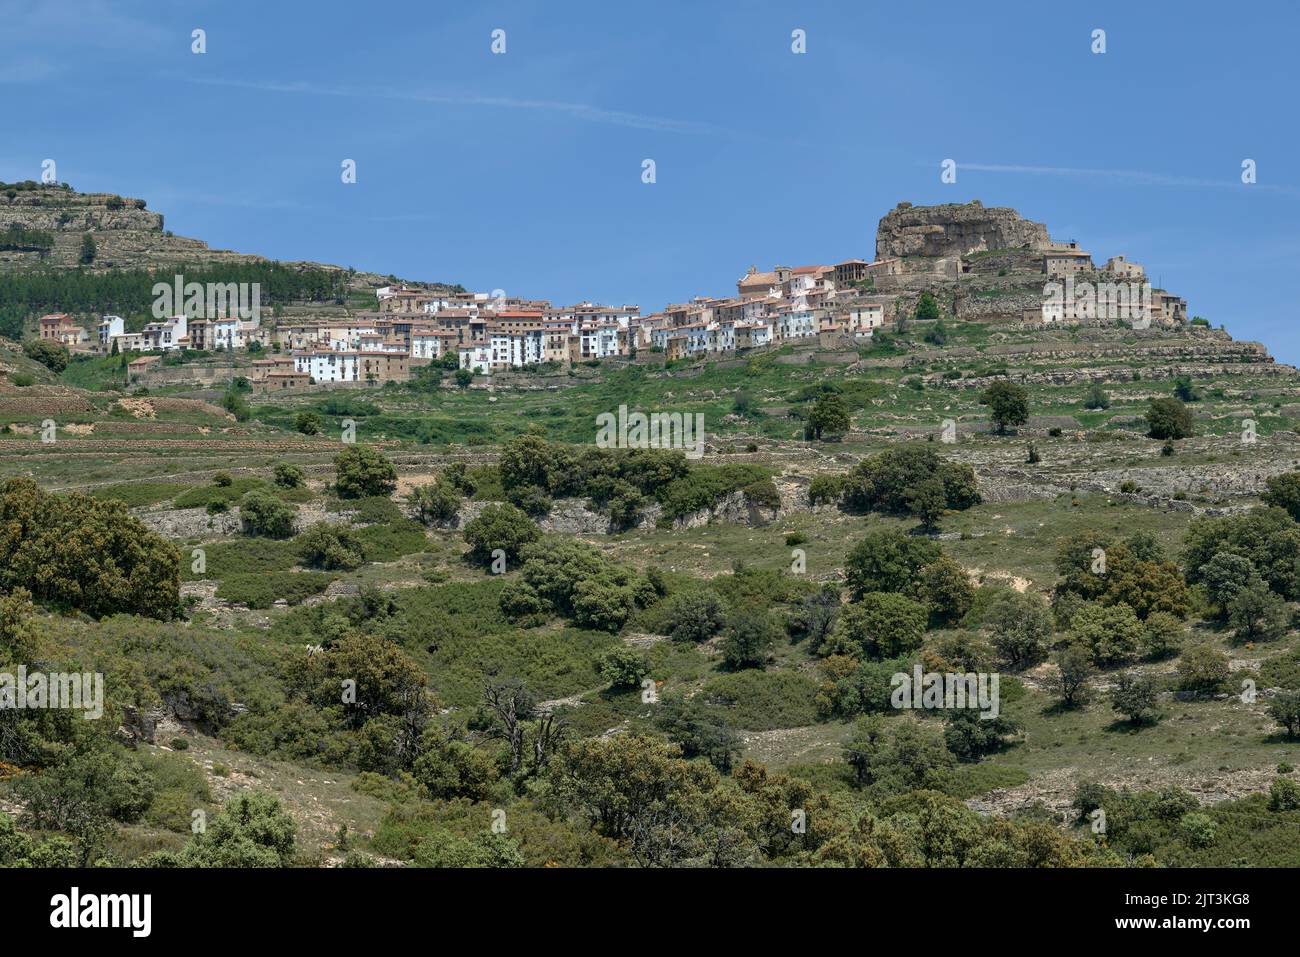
(126, 233)
(954, 230)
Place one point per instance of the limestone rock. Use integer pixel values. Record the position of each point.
(955, 230)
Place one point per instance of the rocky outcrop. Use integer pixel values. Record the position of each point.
(954, 230)
(126, 233)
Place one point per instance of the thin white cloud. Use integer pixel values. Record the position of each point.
(1131, 176)
(579, 111)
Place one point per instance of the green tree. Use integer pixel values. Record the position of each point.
(88, 250)
(1164, 635)
(970, 735)
(1020, 625)
(1257, 614)
(748, 638)
(1112, 634)
(1284, 708)
(896, 756)
(1184, 391)
(1268, 537)
(331, 546)
(18, 635)
(880, 625)
(263, 513)
(501, 526)
(947, 589)
(85, 553)
(884, 482)
(1008, 404)
(289, 476)
(687, 723)
(1169, 419)
(363, 471)
(888, 561)
(622, 668)
(1202, 668)
(448, 768)
(435, 502)
(1283, 491)
(308, 423)
(52, 355)
(927, 308)
(1134, 696)
(694, 616)
(1073, 670)
(928, 501)
(829, 419)
(1096, 398)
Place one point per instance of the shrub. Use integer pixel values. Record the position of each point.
(748, 637)
(1202, 668)
(289, 476)
(622, 668)
(1021, 624)
(762, 494)
(49, 354)
(263, 589)
(308, 423)
(1283, 795)
(825, 489)
(1096, 398)
(888, 561)
(84, 553)
(1008, 404)
(1134, 696)
(530, 499)
(1169, 419)
(363, 471)
(435, 501)
(695, 616)
(264, 514)
(1284, 708)
(881, 625)
(502, 527)
(329, 546)
(886, 482)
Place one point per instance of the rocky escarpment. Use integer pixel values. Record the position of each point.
(126, 233)
(955, 230)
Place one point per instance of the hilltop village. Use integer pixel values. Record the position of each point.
(986, 263)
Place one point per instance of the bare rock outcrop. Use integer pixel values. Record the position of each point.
(955, 229)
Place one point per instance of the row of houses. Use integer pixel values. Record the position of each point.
(491, 332)
(166, 335)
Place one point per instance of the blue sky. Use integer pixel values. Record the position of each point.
(522, 171)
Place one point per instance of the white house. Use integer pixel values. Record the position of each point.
(326, 366)
(110, 326)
